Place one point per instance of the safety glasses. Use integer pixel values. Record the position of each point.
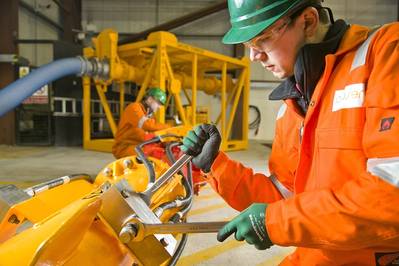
(267, 40)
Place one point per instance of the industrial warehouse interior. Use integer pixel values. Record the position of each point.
(208, 132)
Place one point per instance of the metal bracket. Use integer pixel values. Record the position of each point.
(8, 58)
(120, 205)
(9, 196)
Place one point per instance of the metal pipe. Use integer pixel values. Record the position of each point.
(182, 213)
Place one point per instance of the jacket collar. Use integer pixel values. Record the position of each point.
(310, 62)
(146, 109)
(355, 35)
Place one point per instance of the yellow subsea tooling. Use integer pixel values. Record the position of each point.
(74, 223)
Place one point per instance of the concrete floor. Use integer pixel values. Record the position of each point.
(25, 166)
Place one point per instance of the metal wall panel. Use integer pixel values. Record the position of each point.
(31, 27)
(365, 12)
(46, 7)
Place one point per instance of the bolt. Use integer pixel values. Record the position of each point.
(107, 172)
(127, 233)
(164, 242)
(125, 194)
(14, 219)
(127, 163)
(105, 187)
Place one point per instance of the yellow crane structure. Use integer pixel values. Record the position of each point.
(162, 61)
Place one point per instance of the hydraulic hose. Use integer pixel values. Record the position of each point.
(255, 124)
(182, 213)
(179, 250)
(143, 157)
(33, 191)
(187, 183)
(14, 94)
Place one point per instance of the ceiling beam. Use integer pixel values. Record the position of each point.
(61, 6)
(175, 23)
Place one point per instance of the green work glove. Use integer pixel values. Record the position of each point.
(249, 225)
(203, 144)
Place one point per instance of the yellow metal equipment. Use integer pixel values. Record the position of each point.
(175, 67)
(75, 220)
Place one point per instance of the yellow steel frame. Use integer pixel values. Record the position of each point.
(162, 61)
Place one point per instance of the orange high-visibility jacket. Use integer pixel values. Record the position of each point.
(334, 188)
(132, 128)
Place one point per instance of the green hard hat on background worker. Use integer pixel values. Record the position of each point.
(250, 17)
(157, 94)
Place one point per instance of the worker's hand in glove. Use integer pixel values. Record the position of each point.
(249, 225)
(203, 144)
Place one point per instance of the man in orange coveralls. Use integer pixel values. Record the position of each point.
(334, 187)
(136, 123)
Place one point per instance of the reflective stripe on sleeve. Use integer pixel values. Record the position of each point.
(361, 53)
(142, 121)
(281, 111)
(385, 168)
(280, 187)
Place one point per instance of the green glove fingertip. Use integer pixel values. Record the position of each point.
(261, 247)
(183, 148)
(225, 232)
(192, 136)
(198, 129)
(188, 143)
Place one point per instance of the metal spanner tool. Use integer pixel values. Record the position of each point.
(137, 231)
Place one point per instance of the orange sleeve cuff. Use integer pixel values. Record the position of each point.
(218, 166)
(275, 224)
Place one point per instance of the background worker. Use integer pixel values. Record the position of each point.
(334, 186)
(136, 124)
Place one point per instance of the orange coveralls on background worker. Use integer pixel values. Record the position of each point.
(136, 123)
(333, 191)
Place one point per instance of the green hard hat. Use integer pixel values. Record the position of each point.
(250, 17)
(157, 94)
